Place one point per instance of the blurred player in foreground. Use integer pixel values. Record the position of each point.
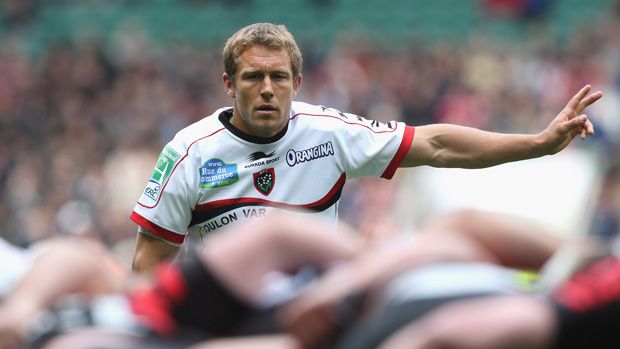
(367, 296)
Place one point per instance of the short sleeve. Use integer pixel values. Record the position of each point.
(164, 207)
(374, 148)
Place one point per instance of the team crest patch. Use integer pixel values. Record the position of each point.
(264, 180)
(217, 173)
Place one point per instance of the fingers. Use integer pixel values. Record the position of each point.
(587, 130)
(589, 100)
(580, 125)
(573, 103)
(578, 104)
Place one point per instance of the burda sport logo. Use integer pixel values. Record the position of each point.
(294, 157)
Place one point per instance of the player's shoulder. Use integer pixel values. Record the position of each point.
(323, 117)
(311, 115)
(206, 127)
(307, 109)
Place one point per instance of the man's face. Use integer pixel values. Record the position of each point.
(263, 88)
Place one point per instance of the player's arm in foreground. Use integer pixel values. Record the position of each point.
(241, 257)
(515, 243)
(582, 312)
(497, 322)
(279, 341)
(444, 145)
(215, 290)
(64, 266)
(150, 251)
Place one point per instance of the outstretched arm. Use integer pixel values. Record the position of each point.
(444, 145)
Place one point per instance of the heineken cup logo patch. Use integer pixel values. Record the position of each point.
(217, 173)
(162, 171)
(264, 180)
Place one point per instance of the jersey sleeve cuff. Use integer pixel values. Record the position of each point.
(405, 143)
(157, 231)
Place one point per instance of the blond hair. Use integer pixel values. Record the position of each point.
(264, 34)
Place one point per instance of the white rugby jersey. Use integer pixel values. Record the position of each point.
(211, 174)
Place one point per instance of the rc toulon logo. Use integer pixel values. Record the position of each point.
(265, 180)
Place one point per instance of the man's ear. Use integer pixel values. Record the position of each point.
(228, 85)
(297, 84)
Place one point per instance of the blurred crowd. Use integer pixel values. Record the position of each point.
(82, 124)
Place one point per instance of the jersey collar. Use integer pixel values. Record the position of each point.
(225, 120)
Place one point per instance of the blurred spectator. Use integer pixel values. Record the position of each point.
(18, 13)
(526, 9)
(606, 218)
